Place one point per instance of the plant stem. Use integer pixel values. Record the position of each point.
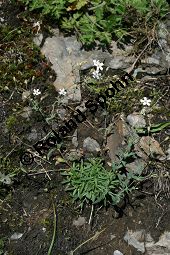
(54, 231)
(91, 214)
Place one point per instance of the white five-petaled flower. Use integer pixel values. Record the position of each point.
(146, 101)
(36, 92)
(62, 92)
(98, 64)
(96, 74)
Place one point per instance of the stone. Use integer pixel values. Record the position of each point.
(16, 236)
(164, 240)
(117, 253)
(160, 247)
(74, 139)
(33, 136)
(91, 145)
(38, 39)
(25, 95)
(120, 62)
(79, 222)
(136, 166)
(54, 49)
(135, 239)
(136, 120)
(5, 179)
(26, 113)
(67, 58)
(150, 146)
(74, 93)
(61, 113)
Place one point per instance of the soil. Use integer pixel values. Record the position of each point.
(26, 205)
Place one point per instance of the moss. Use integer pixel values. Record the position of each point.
(45, 222)
(10, 122)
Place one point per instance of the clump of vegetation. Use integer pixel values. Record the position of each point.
(98, 21)
(91, 182)
(7, 170)
(10, 122)
(21, 65)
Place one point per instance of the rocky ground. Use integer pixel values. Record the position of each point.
(45, 78)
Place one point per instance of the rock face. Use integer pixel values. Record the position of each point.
(68, 58)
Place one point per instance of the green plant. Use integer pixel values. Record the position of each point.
(19, 65)
(153, 128)
(11, 121)
(7, 171)
(98, 20)
(91, 182)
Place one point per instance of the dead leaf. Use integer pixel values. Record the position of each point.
(115, 140)
(150, 146)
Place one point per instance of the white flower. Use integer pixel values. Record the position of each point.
(98, 64)
(146, 101)
(62, 92)
(96, 74)
(36, 92)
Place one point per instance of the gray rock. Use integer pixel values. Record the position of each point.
(16, 236)
(72, 45)
(26, 113)
(63, 100)
(75, 140)
(79, 222)
(143, 242)
(121, 62)
(91, 145)
(68, 59)
(159, 61)
(117, 253)
(152, 60)
(25, 95)
(74, 93)
(38, 39)
(5, 179)
(33, 136)
(136, 167)
(61, 113)
(161, 247)
(136, 120)
(2, 20)
(136, 239)
(55, 50)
